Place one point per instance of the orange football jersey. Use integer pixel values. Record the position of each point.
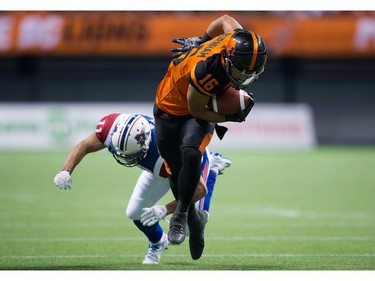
(202, 67)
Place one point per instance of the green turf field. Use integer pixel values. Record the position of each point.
(312, 210)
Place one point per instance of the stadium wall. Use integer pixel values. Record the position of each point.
(340, 92)
(323, 59)
(59, 126)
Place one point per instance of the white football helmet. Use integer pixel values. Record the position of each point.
(130, 139)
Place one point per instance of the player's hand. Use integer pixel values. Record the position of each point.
(63, 180)
(187, 45)
(152, 215)
(241, 115)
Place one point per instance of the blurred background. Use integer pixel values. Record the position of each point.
(323, 60)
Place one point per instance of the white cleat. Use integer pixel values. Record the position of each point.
(217, 160)
(155, 250)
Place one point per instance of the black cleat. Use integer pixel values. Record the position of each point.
(196, 238)
(177, 228)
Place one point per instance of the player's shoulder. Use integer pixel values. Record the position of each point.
(209, 76)
(108, 119)
(105, 124)
(215, 46)
(149, 118)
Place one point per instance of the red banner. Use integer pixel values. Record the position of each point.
(147, 33)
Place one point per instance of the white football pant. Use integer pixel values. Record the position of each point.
(147, 192)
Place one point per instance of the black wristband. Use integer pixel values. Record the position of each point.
(206, 37)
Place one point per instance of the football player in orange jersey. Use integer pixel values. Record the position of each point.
(227, 55)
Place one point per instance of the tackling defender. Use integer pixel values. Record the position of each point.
(130, 138)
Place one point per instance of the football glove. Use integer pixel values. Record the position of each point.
(152, 215)
(241, 115)
(187, 45)
(63, 180)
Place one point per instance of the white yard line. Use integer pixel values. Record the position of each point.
(254, 255)
(254, 225)
(232, 238)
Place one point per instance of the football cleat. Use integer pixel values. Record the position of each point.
(155, 250)
(196, 238)
(177, 228)
(217, 160)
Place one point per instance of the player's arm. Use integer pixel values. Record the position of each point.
(88, 145)
(78, 152)
(223, 24)
(197, 106)
(152, 215)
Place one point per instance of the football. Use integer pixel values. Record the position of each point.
(229, 101)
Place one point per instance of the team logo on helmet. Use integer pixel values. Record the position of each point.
(142, 137)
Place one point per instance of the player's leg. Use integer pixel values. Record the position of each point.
(197, 135)
(185, 206)
(205, 172)
(168, 142)
(205, 202)
(148, 190)
(217, 164)
(167, 133)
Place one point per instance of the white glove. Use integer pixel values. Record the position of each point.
(63, 180)
(152, 215)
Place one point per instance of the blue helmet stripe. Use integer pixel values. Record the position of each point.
(124, 134)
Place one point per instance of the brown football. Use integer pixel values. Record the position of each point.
(229, 101)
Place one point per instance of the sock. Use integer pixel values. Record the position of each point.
(154, 233)
(210, 187)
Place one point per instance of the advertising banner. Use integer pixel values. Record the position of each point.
(143, 33)
(271, 126)
(57, 127)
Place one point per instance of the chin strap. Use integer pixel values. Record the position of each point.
(220, 131)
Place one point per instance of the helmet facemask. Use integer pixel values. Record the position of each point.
(240, 79)
(129, 160)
